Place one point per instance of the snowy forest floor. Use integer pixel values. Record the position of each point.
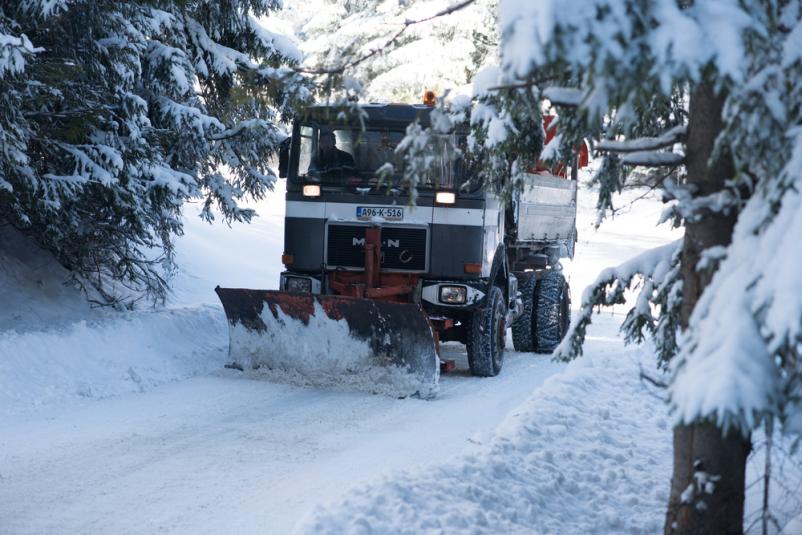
(127, 423)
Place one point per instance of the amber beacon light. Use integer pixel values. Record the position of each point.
(429, 98)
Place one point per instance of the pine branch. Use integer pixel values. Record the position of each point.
(685, 206)
(563, 96)
(668, 139)
(653, 159)
(533, 82)
(659, 270)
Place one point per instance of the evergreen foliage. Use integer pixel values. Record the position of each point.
(114, 114)
(656, 276)
(507, 132)
(631, 66)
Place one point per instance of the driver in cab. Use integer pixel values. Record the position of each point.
(331, 162)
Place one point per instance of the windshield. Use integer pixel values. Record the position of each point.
(343, 156)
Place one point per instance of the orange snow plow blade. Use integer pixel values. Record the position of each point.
(330, 340)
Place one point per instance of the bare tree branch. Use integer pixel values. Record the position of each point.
(654, 382)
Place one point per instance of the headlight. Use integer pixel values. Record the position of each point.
(311, 190)
(298, 284)
(453, 295)
(445, 197)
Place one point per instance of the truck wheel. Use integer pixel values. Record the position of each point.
(487, 336)
(523, 329)
(552, 312)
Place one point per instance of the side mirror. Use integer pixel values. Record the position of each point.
(283, 157)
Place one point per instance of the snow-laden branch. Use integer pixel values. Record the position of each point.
(740, 357)
(650, 158)
(266, 128)
(190, 118)
(684, 206)
(663, 141)
(425, 150)
(13, 52)
(660, 288)
(44, 8)
(683, 41)
(563, 96)
(276, 42)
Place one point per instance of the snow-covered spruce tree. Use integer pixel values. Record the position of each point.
(113, 114)
(711, 88)
(393, 59)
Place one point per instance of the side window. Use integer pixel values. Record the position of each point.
(445, 174)
(307, 148)
(345, 140)
(466, 167)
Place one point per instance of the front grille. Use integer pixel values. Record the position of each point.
(341, 251)
(403, 248)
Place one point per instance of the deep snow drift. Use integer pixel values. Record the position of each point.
(55, 348)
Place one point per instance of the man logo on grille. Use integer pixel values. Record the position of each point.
(360, 242)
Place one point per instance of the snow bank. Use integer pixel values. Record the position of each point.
(55, 348)
(589, 452)
(97, 359)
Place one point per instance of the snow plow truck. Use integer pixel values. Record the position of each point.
(373, 284)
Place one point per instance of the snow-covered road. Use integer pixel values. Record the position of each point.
(226, 454)
(222, 452)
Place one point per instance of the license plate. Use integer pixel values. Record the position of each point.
(384, 212)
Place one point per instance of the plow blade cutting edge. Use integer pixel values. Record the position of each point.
(330, 340)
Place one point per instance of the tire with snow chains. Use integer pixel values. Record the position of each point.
(487, 336)
(552, 311)
(523, 329)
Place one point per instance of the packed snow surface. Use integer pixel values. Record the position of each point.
(588, 452)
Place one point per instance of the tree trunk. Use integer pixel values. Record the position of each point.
(703, 448)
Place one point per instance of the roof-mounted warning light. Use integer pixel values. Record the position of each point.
(429, 98)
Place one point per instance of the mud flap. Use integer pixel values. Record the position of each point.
(329, 340)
